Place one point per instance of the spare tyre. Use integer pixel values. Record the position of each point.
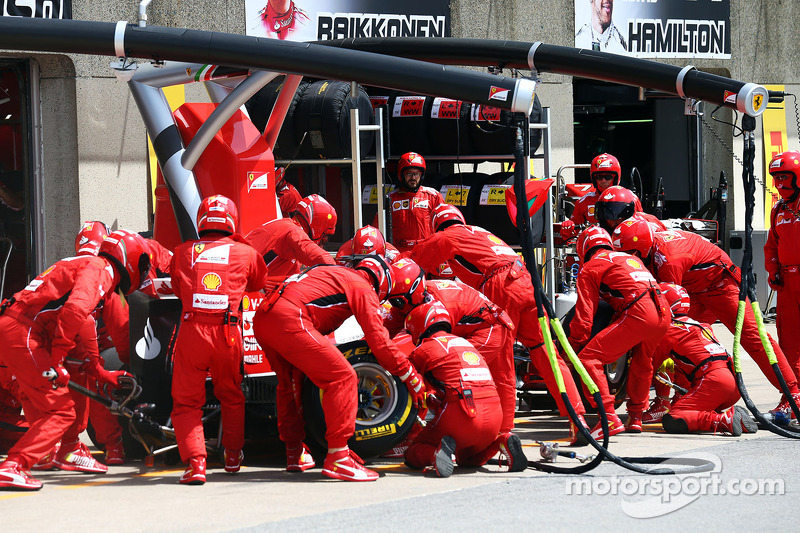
(408, 124)
(449, 127)
(322, 120)
(259, 108)
(385, 413)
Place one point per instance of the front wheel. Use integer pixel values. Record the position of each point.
(384, 414)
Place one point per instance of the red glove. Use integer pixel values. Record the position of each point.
(59, 376)
(775, 282)
(110, 377)
(414, 385)
(567, 229)
(103, 376)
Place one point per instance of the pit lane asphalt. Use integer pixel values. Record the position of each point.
(263, 497)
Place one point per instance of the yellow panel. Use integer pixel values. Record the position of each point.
(775, 142)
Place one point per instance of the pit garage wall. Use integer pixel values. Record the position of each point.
(94, 151)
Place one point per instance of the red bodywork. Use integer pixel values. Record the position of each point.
(237, 163)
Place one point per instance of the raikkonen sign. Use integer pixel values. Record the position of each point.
(343, 19)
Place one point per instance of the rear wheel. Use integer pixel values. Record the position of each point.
(384, 414)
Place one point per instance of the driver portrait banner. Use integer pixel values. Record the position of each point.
(655, 28)
(303, 20)
(39, 9)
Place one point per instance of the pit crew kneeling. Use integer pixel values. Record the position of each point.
(707, 367)
(470, 415)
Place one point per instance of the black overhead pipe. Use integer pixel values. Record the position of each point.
(685, 82)
(216, 48)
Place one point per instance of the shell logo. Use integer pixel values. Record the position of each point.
(330, 216)
(495, 240)
(633, 263)
(211, 281)
(246, 303)
(198, 248)
(471, 358)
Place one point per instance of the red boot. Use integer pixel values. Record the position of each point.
(576, 438)
(77, 457)
(347, 466)
(298, 458)
(195, 473)
(634, 423)
(13, 477)
(115, 452)
(658, 408)
(615, 427)
(46, 462)
(233, 460)
(511, 448)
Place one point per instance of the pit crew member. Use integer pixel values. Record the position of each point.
(641, 317)
(707, 366)
(37, 330)
(469, 419)
(308, 307)
(210, 276)
(782, 254)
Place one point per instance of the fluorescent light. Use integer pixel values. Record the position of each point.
(4, 100)
(636, 121)
(8, 116)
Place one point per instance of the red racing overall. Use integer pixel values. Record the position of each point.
(485, 326)
(486, 263)
(641, 317)
(782, 261)
(210, 276)
(37, 331)
(705, 364)
(712, 281)
(292, 332)
(411, 216)
(470, 412)
(285, 246)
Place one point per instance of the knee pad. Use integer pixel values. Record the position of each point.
(674, 425)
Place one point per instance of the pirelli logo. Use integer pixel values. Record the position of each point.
(377, 431)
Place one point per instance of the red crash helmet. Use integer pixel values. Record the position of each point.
(591, 238)
(217, 213)
(614, 205)
(446, 215)
(317, 217)
(409, 284)
(129, 254)
(605, 164)
(783, 169)
(369, 240)
(88, 240)
(410, 160)
(424, 319)
(634, 235)
(677, 298)
(380, 274)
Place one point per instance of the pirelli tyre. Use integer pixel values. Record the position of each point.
(385, 414)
